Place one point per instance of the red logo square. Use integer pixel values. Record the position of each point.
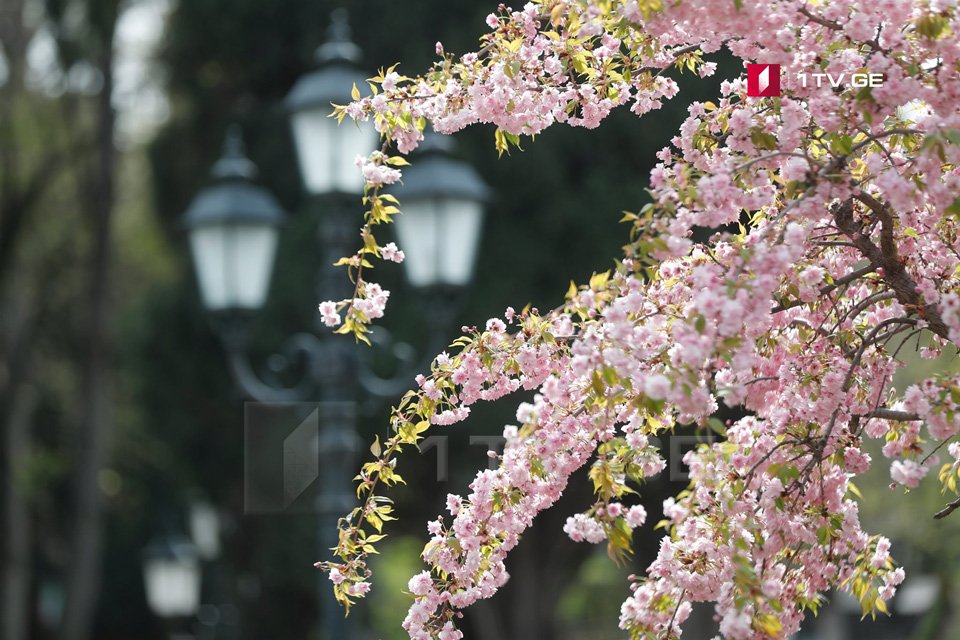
(763, 80)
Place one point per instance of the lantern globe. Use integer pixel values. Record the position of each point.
(233, 225)
(326, 149)
(172, 576)
(443, 200)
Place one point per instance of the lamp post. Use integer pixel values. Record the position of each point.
(445, 199)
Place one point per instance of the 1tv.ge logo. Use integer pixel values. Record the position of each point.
(763, 80)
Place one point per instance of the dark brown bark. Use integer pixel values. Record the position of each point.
(894, 273)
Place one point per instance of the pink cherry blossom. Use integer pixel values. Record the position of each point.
(390, 252)
(328, 313)
(833, 214)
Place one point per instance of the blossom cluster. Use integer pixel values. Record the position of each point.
(836, 246)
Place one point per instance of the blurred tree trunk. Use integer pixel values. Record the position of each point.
(84, 570)
(19, 402)
(29, 170)
(17, 399)
(16, 520)
(83, 575)
(15, 37)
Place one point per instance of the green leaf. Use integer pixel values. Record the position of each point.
(846, 144)
(954, 209)
(500, 142)
(375, 522)
(931, 26)
(823, 535)
(717, 426)
(763, 140)
(768, 624)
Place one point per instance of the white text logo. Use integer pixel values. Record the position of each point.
(835, 81)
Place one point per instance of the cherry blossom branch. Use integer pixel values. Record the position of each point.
(829, 24)
(825, 290)
(894, 273)
(620, 375)
(863, 305)
(893, 414)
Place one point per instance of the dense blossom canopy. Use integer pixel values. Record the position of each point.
(834, 220)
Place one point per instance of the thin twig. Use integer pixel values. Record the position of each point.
(947, 510)
(893, 414)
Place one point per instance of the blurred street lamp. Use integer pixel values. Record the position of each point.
(442, 217)
(233, 226)
(171, 574)
(918, 594)
(326, 150)
(443, 202)
(205, 529)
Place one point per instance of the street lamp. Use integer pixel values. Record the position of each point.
(443, 202)
(171, 575)
(233, 226)
(326, 150)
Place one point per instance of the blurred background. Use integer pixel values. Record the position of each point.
(130, 451)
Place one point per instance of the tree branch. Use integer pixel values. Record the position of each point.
(886, 256)
(893, 414)
(839, 282)
(829, 24)
(947, 510)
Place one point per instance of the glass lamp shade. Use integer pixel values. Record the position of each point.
(205, 529)
(171, 574)
(327, 150)
(233, 227)
(234, 262)
(439, 237)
